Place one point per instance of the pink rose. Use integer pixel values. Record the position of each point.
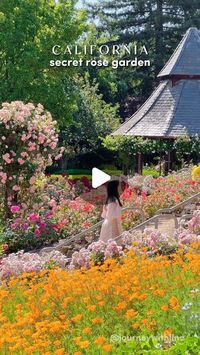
(32, 180)
(6, 158)
(15, 209)
(37, 233)
(34, 217)
(20, 161)
(24, 154)
(16, 188)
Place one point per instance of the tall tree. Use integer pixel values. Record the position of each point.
(159, 24)
(93, 119)
(28, 31)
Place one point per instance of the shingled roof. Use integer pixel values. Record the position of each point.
(170, 111)
(173, 109)
(186, 58)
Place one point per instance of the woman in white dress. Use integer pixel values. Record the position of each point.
(112, 226)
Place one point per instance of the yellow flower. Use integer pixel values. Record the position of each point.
(196, 173)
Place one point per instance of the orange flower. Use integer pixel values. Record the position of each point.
(142, 297)
(100, 341)
(136, 325)
(97, 320)
(107, 347)
(168, 332)
(57, 342)
(165, 307)
(77, 353)
(144, 321)
(66, 301)
(91, 307)
(98, 298)
(87, 330)
(46, 312)
(101, 303)
(131, 313)
(121, 306)
(84, 344)
(60, 351)
(174, 303)
(77, 318)
(77, 340)
(159, 292)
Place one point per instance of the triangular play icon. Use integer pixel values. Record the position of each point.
(99, 178)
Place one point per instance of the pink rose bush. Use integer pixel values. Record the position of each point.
(28, 144)
(15, 264)
(194, 223)
(96, 254)
(154, 242)
(150, 243)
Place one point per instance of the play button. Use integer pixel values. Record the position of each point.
(99, 178)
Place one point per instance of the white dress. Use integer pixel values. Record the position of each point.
(112, 226)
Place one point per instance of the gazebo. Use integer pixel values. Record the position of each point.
(173, 109)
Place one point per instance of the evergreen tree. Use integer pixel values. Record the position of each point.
(159, 24)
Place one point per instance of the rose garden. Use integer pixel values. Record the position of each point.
(62, 290)
(91, 299)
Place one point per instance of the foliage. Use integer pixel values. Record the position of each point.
(99, 309)
(126, 147)
(28, 143)
(93, 119)
(29, 30)
(159, 25)
(150, 171)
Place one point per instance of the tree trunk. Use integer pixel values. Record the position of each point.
(63, 164)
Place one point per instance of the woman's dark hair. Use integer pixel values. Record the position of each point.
(112, 192)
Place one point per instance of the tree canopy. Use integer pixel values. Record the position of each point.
(28, 31)
(159, 24)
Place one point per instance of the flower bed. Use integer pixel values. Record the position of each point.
(150, 243)
(105, 309)
(65, 208)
